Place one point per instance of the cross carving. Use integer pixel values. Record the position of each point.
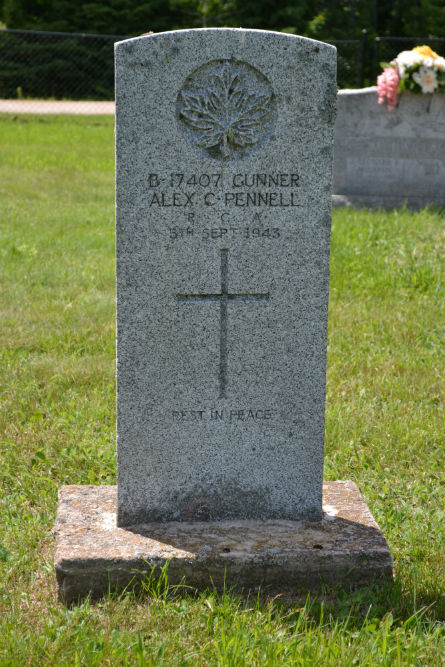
(223, 297)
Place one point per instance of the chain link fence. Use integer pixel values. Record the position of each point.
(351, 55)
(62, 69)
(53, 66)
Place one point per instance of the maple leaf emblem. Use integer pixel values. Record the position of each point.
(227, 115)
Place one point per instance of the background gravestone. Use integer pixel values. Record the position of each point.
(389, 158)
(224, 151)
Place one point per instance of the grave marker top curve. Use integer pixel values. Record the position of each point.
(223, 162)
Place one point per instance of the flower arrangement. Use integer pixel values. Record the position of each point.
(420, 70)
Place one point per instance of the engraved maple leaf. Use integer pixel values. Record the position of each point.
(227, 114)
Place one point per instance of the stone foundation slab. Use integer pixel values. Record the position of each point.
(93, 555)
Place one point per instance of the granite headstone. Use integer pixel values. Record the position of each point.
(224, 159)
(224, 148)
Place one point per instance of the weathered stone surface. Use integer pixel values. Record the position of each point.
(93, 555)
(389, 158)
(224, 149)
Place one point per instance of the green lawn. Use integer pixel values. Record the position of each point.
(384, 428)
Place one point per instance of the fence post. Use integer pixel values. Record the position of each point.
(375, 44)
(363, 44)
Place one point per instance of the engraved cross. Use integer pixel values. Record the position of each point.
(223, 297)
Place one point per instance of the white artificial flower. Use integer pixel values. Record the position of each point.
(426, 78)
(439, 63)
(407, 59)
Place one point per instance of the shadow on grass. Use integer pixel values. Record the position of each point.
(354, 609)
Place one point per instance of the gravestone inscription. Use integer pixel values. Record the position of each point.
(224, 148)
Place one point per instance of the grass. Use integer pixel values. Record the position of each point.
(384, 427)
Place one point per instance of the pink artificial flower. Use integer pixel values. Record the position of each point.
(387, 87)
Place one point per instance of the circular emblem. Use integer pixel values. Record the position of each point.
(226, 109)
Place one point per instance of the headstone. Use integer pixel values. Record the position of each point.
(224, 151)
(389, 158)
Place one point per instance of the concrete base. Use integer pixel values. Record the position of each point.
(92, 555)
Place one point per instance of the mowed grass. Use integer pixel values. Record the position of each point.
(384, 427)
